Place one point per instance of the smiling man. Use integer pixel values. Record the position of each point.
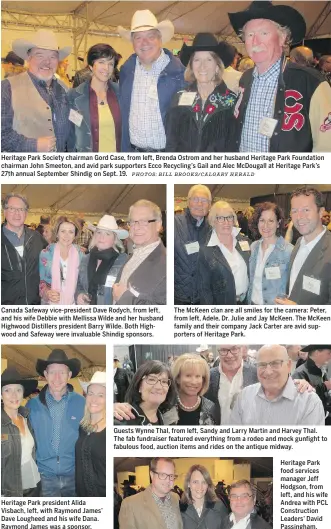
(242, 498)
(34, 106)
(148, 80)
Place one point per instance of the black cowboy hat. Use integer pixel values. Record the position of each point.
(319, 347)
(12, 58)
(281, 14)
(58, 356)
(11, 376)
(208, 42)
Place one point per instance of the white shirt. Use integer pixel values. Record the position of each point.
(241, 524)
(235, 261)
(301, 256)
(115, 385)
(227, 392)
(29, 470)
(257, 296)
(231, 78)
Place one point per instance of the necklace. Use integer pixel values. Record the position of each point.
(189, 408)
(94, 426)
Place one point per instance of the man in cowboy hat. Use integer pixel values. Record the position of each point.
(281, 106)
(314, 371)
(12, 65)
(55, 416)
(34, 106)
(148, 80)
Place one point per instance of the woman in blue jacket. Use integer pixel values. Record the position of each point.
(270, 256)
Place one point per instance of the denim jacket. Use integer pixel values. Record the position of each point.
(280, 256)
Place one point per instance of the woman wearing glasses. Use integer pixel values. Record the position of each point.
(151, 392)
(270, 256)
(200, 508)
(99, 268)
(223, 261)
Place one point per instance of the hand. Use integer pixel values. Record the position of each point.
(118, 291)
(281, 301)
(53, 296)
(303, 386)
(328, 384)
(46, 143)
(83, 249)
(83, 299)
(122, 411)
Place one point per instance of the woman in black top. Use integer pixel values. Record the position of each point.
(91, 444)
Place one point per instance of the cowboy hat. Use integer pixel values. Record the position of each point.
(208, 42)
(144, 21)
(108, 223)
(99, 377)
(311, 348)
(44, 39)
(58, 356)
(12, 58)
(202, 348)
(281, 14)
(11, 376)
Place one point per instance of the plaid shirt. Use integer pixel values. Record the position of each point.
(261, 104)
(145, 121)
(84, 238)
(55, 96)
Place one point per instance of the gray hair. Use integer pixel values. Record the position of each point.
(283, 31)
(15, 195)
(197, 187)
(220, 204)
(147, 204)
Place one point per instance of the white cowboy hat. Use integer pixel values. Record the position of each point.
(44, 39)
(145, 20)
(99, 377)
(202, 348)
(108, 223)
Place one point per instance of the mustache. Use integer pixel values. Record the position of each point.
(256, 49)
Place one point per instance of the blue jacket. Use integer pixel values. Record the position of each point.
(280, 256)
(170, 81)
(49, 463)
(187, 231)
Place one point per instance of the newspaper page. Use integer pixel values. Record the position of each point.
(166, 202)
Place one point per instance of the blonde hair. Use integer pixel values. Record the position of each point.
(220, 204)
(147, 204)
(118, 245)
(190, 77)
(195, 362)
(245, 64)
(86, 420)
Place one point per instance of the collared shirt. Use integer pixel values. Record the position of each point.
(290, 407)
(301, 256)
(257, 296)
(145, 120)
(241, 524)
(228, 391)
(139, 255)
(13, 238)
(167, 511)
(57, 410)
(235, 261)
(261, 104)
(84, 238)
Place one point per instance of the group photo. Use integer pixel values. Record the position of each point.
(224, 384)
(72, 244)
(252, 244)
(219, 77)
(53, 420)
(193, 493)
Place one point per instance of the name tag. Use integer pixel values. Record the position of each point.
(272, 272)
(20, 250)
(134, 291)
(244, 245)
(110, 281)
(152, 92)
(311, 285)
(267, 126)
(192, 247)
(187, 99)
(75, 117)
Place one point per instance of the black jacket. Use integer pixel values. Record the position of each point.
(314, 375)
(216, 283)
(189, 128)
(140, 418)
(256, 522)
(122, 382)
(20, 276)
(212, 515)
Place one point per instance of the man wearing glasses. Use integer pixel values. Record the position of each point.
(20, 249)
(275, 398)
(191, 232)
(157, 506)
(242, 501)
(142, 280)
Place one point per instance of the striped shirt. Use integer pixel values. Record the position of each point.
(261, 104)
(290, 407)
(145, 120)
(57, 410)
(167, 511)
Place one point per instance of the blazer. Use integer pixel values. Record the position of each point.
(317, 266)
(255, 522)
(212, 515)
(141, 512)
(148, 282)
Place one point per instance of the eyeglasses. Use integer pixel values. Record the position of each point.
(224, 352)
(15, 210)
(163, 476)
(152, 381)
(221, 218)
(275, 364)
(196, 200)
(144, 223)
(244, 496)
